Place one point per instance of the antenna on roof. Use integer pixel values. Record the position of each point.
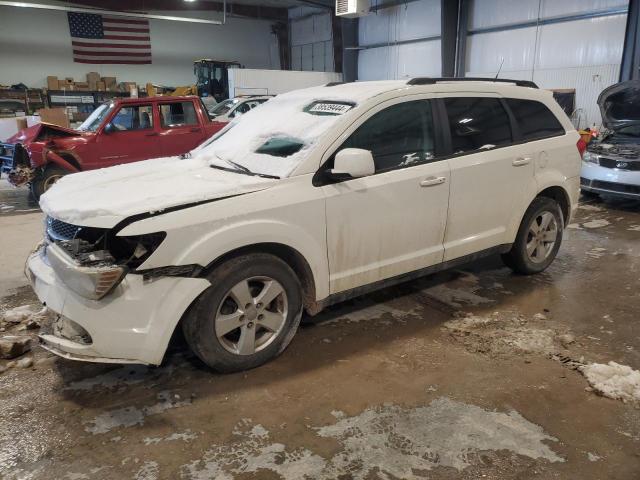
(500, 68)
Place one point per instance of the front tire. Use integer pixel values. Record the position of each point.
(45, 179)
(538, 239)
(248, 316)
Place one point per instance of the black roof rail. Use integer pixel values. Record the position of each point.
(333, 84)
(433, 80)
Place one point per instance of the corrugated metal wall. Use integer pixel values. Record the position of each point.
(393, 42)
(582, 54)
(311, 39)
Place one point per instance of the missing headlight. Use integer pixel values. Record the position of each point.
(134, 250)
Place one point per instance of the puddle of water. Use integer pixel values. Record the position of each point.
(130, 416)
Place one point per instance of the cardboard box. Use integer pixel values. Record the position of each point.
(21, 123)
(68, 81)
(100, 86)
(56, 116)
(92, 79)
(109, 82)
(52, 83)
(128, 86)
(81, 86)
(63, 85)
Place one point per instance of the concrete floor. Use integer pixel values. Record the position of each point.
(398, 384)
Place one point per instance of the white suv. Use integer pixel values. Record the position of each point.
(319, 195)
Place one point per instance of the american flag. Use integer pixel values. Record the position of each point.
(106, 39)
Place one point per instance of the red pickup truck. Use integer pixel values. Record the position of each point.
(122, 131)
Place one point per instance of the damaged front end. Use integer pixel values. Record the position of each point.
(93, 261)
(32, 149)
(16, 164)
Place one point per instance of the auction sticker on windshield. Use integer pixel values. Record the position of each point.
(328, 108)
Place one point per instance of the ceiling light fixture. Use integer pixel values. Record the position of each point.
(60, 8)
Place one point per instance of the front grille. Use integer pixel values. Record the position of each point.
(612, 187)
(619, 164)
(59, 230)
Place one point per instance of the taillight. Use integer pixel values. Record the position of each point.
(582, 147)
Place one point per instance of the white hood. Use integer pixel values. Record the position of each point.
(102, 198)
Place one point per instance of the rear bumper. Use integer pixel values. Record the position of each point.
(610, 181)
(132, 324)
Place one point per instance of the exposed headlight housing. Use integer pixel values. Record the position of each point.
(591, 157)
(92, 282)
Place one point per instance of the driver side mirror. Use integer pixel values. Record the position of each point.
(109, 128)
(352, 163)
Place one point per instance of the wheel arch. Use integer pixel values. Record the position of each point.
(561, 196)
(287, 254)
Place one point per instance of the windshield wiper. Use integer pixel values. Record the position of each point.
(242, 169)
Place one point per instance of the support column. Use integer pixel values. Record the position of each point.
(461, 38)
(629, 69)
(349, 49)
(449, 10)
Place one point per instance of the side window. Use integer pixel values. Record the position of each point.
(177, 114)
(534, 119)
(398, 136)
(243, 108)
(138, 117)
(477, 123)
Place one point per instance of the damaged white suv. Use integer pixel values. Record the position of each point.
(317, 196)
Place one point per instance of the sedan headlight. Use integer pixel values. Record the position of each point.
(90, 282)
(591, 157)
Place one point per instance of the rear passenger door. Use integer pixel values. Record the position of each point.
(180, 128)
(492, 179)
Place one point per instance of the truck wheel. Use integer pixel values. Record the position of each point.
(248, 316)
(538, 239)
(45, 179)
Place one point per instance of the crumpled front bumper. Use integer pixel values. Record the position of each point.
(132, 324)
(610, 181)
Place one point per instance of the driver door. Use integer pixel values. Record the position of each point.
(392, 222)
(133, 137)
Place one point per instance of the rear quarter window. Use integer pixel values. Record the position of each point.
(534, 119)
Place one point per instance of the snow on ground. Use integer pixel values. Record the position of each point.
(387, 441)
(613, 380)
(596, 252)
(505, 333)
(598, 223)
(24, 313)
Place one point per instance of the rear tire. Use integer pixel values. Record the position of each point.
(538, 239)
(45, 179)
(248, 316)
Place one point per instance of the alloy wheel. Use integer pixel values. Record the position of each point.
(251, 315)
(541, 236)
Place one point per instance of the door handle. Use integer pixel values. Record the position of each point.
(431, 181)
(152, 134)
(520, 161)
(194, 130)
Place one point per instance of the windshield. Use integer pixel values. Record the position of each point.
(275, 138)
(223, 107)
(94, 120)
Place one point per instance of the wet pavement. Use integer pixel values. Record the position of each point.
(472, 373)
(15, 201)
